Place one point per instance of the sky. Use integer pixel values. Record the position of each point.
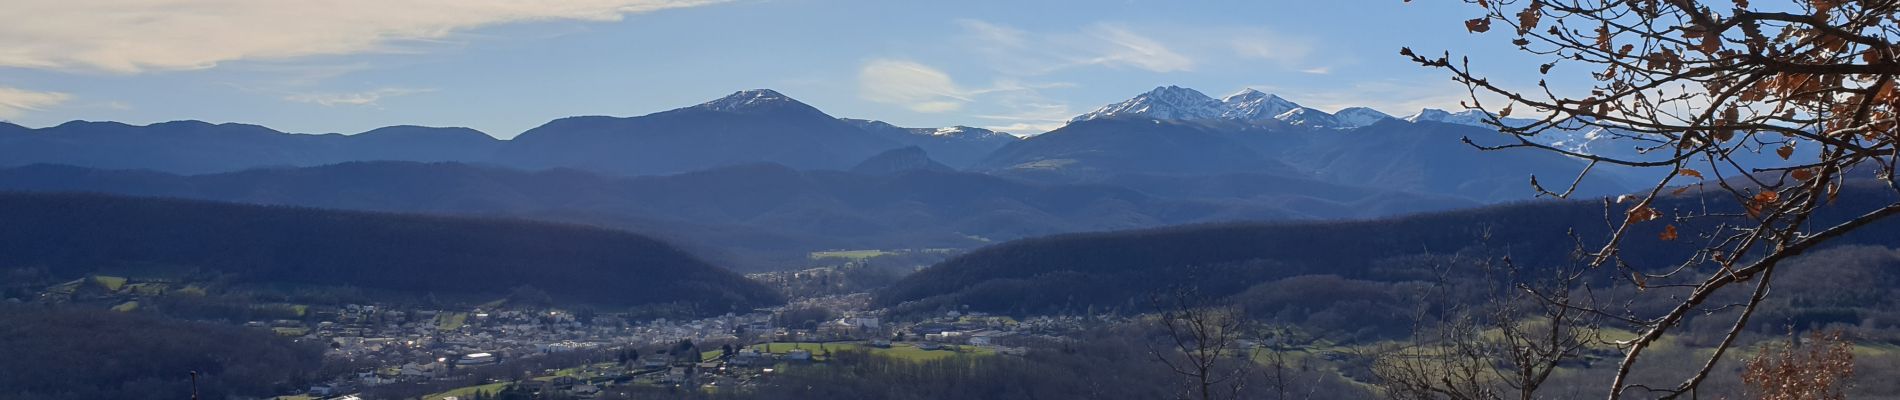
(504, 66)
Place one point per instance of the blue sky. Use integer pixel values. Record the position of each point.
(503, 66)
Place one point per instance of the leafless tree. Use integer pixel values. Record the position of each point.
(1506, 347)
(1817, 369)
(1700, 85)
(1202, 344)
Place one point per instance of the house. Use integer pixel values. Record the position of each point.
(586, 391)
(430, 370)
(477, 359)
(322, 390)
(798, 355)
(748, 357)
(656, 361)
(987, 337)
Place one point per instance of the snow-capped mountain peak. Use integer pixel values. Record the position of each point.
(1354, 117)
(1308, 117)
(1167, 102)
(746, 99)
(1253, 105)
(1247, 105)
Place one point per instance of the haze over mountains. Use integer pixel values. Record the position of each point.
(764, 178)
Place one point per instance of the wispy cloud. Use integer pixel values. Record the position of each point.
(1119, 46)
(1030, 118)
(1108, 45)
(1262, 44)
(364, 98)
(923, 88)
(912, 85)
(132, 36)
(15, 102)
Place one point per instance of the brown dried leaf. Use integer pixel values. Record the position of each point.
(1802, 174)
(1668, 233)
(1478, 25)
(1785, 151)
(1767, 197)
(1527, 18)
(1641, 214)
(1690, 172)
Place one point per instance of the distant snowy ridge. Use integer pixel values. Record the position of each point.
(1249, 105)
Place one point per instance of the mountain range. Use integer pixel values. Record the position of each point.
(757, 178)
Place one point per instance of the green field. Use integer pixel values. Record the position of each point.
(904, 351)
(451, 321)
(466, 392)
(126, 306)
(853, 255)
(112, 283)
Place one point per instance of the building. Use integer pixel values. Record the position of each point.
(477, 359)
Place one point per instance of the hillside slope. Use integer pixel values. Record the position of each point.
(78, 234)
(1069, 273)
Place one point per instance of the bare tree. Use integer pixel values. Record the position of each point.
(1202, 342)
(1506, 347)
(1789, 370)
(1699, 86)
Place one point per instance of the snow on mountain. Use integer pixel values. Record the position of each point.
(1166, 103)
(1308, 117)
(1354, 117)
(747, 99)
(1249, 105)
(1252, 106)
(961, 131)
(1467, 117)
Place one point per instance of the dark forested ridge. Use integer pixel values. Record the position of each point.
(74, 354)
(1074, 272)
(763, 214)
(77, 234)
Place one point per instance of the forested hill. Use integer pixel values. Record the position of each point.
(77, 234)
(1076, 272)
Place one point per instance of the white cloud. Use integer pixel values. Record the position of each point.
(1119, 46)
(1110, 45)
(364, 98)
(16, 102)
(913, 85)
(131, 36)
(1030, 118)
(1260, 44)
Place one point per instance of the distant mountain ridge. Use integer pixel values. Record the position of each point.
(1175, 103)
(765, 215)
(749, 126)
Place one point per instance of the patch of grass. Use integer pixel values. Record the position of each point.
(451, 321)
(285, 331)
(146, 289)
(853, 255)
(905, 351)
(112, 283)
(192, 290)
(468, 391)
(129, 306)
